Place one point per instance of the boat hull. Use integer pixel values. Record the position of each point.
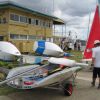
(7, 57)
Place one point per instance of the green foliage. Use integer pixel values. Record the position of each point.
(8, 65)
(2, 76)
(2, 63)
(4, 90)
(77, 55)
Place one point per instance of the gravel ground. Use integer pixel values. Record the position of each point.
(82, 91)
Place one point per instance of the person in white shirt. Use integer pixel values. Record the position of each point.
(96, 63)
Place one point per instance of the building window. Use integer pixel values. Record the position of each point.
(50, 25)
(18, 37)
(48, 39)
(41, 23)
(23, 37)
(23, 19)
(29, 21)
(37, 22)
(3, 20)
(44, 24)
(33, 22)
(0, 20)
(47, 24)
(14, 36)
(31, 37)
(39, 38)
(14, 17)
(1, 38)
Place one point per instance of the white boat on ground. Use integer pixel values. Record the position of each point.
(8, 51)
(58, 72)
(47, 48)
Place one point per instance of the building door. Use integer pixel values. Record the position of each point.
(1, 38)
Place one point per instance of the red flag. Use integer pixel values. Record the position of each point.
(94, 35)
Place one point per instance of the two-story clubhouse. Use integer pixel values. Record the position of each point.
(21, 25)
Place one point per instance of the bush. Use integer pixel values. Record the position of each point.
(3, 64)
(2, 76)
(8, 65)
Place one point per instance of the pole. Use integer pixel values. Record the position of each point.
(62, 31)
(54, 34)
(65, 29)
(89, 26)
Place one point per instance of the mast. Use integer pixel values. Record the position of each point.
(99, 6)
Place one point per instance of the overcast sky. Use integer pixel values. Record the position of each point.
(74, 12)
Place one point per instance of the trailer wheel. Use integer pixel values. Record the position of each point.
(68, 89)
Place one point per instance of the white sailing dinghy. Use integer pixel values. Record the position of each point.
(57, 71)
(47, 48)
(8, 51)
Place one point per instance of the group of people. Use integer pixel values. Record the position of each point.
(68, 45)
(65, 45)
(96, 62)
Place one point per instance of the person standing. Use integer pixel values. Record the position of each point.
(96, 62)
(62, 44)
(79, 45)
(75, 46)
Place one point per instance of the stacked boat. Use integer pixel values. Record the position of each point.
(8, 52)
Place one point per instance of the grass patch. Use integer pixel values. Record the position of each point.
(8, 65)
(5, 90)
(77, 55)
(2, 76)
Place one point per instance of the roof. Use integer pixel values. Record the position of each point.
(10, 4)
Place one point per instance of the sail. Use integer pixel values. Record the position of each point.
(94, 35)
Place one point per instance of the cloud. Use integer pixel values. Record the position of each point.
(44, 6)
(78, 7)
(68, 7)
